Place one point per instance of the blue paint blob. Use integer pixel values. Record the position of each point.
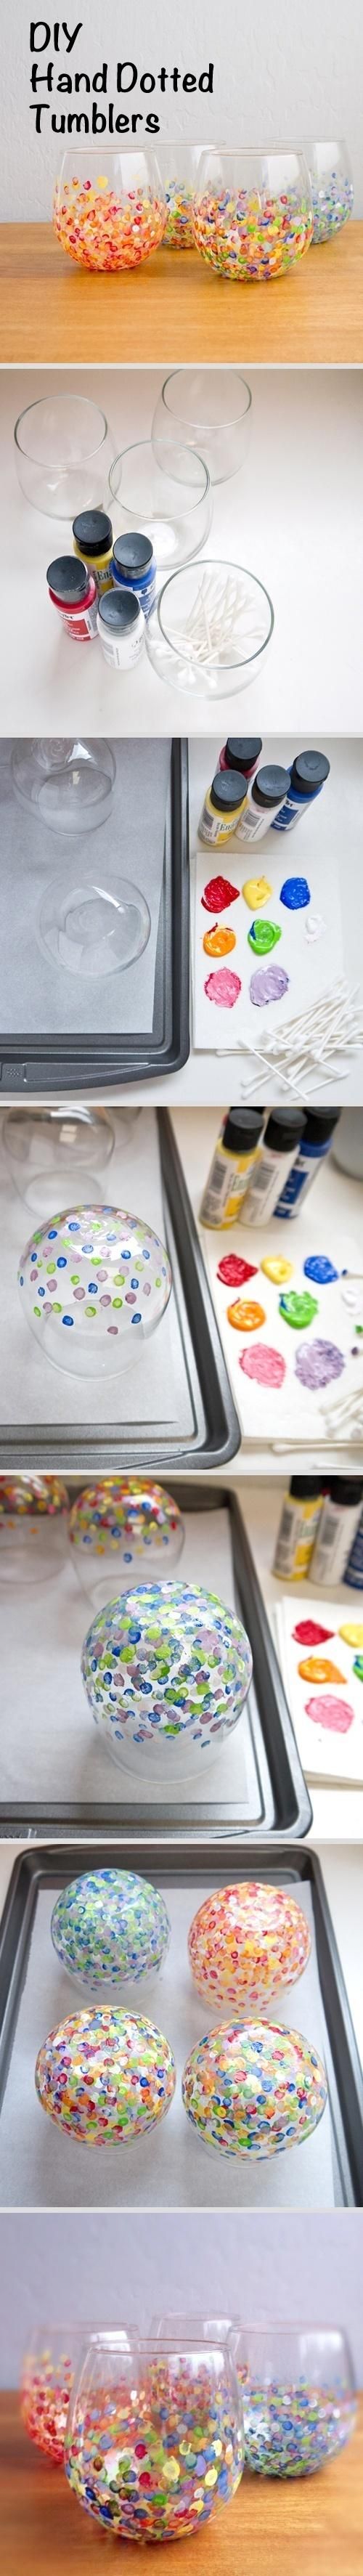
(295, 893)
(318, 1267)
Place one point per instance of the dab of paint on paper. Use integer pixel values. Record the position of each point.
(264, 1364)
(218, 893)
(223, 987)
(336, 1715)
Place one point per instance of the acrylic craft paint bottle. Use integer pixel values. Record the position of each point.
(93, 542)
(223, 804)
(121, 629)
(73, 592)
(134, 568)
(241, 754)
(313, 1149)
(339, 1523)
(273, 1163)
(265, 796)
(232, 1162)
(307, 777)
(354, 1568)
(300, 1518)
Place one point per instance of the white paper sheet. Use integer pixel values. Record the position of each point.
(290, 1410)
(311, 965)
(325, 1754)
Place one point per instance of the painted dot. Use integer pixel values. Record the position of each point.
(317, 1266)
(66, 1319)
(295, 893)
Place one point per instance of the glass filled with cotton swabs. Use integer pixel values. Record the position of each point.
(209, 628)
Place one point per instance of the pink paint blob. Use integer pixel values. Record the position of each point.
(335, 1714)
(233, 1270)
(317, 1362)
(218, 894)
(263, 1364)
(223, 987)
(310, 1633)
(268, 985)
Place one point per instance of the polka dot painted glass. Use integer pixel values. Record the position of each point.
(298, 2397)
(252, 211)
(105, 2076)
(245, 1943)
(47, 2376)
(154, 2439)
(122, 1525)
(331, 186)
(252, 2089)
(109, 208)
(94, 1283)
(33, 1527)
(110, 1928)
(166, 1670)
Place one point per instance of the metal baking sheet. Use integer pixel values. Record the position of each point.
(39, 2167)
(139, 1020)
(176, 1409)
(55, 1774)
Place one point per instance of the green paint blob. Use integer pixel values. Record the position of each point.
(262, 936)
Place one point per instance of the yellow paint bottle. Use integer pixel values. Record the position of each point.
(93, 541)
(224, 803)
(234, 1155)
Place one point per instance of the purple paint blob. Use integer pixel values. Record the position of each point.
(318, 1267)
(295, 893)
(223, 987)
(264, 1364)
(335, 1714)
(268, 984)
(317, 1362)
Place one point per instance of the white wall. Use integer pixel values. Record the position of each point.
(110, 2268)
(283, 72)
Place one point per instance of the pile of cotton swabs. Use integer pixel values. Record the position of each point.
(221, 610)
(318, 1041)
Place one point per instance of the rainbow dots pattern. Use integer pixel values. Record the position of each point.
(110, 1926)
(290, 2430)
(128, 1519)
(104, 227)
(105, 2076)
(93, 1273)
(252, 2089)
(251, 234)
(246, 1942)
(167, 1661)
(151, 2462)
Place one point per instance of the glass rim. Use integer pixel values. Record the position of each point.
(316, 140)
(116, 2338)
(112, 151)
(251, 151)
(209, 426)
(209, 564)
(38, 405)
(291, 2326)
(134, 449)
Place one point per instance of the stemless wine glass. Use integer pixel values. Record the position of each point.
(109, 207)
(166, 1670)
(50, 2365)
(299, 2404)
(33, 1528)
(63, 449)
(331, 186)
(209, 628)
(96, 926)
(121, 1527)
(154, 2438)
(209, 409)
(56, 1150)
(73, 1282)
(252, 210)
(179, 163)
(68, 785)
(165, 495)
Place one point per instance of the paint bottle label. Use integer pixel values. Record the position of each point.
(263, 1189)
(255, 822)
(338, 1528)
(354, 1568)
(217, 827)
(225, 1187)
(296, 1536)
(300, 1178)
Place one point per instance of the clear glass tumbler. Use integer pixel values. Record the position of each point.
(63, 450)
(252, 210)
(109, 207)
(154, 2439)
(209, 409)
(298, 2396)
(209, 628)
(179, 163)
(166, 495)
(33, 1529)
(119, 1528)
(56, 1151)
(68, 785)
(331, 186)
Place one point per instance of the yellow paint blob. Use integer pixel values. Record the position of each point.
(276, 1268)
(256, 891)
(352, 1632)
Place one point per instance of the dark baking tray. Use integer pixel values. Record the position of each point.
(277, 1798)
(216, 1432)
(35, 1065)
(53, 1865)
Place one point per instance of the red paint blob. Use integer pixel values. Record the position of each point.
(309, 1633)
(233, 1270)
(218, 893)
(223, 987)
(264, 1364)
(335, 1714)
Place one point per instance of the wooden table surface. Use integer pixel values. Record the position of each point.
(313, 2528)
(175, 309)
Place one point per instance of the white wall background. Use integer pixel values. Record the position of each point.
(283, 72)
(108, 2268)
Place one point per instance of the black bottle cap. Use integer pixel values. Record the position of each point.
(133, 553)
(269, 785)
(240, 754)
(228, 789)
(304, 1488)
(242, 1128)
(119, 610)
(345, 1489)
(284, 1128)
(93, 531)
(309, 771)
(70, 580)
(320, 1123)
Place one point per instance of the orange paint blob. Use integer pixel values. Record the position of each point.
(218, 942)
(316, 1668)
(245, 1317)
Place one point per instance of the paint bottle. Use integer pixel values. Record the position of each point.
(265, 796)
(93, 541)
(231, 1164)
(223, 803)
(134, 567)
(339, 1523)
(307, 777)
(300, 1518)
(241, 754)
(354, 1568)
(273, 1163)
(121, 628)
(73, 592)
(313, 1149)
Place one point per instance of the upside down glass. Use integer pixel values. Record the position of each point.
(252, 210)
(54, 1151)
(68, 784)
(154, 2438)
(297, 2387)
(109, 207)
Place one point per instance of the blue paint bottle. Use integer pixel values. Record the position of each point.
(314, 1146)
(307, 777)
(134, 568)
